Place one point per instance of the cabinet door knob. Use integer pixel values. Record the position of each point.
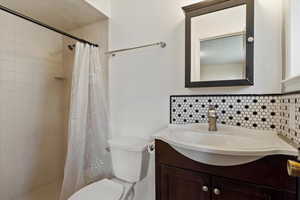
(205, 189)
(217, 191)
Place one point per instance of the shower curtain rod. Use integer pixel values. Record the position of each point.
(45, 25)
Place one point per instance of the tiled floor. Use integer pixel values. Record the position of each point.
(47, 192)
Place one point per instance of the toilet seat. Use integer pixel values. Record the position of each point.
(104, 189)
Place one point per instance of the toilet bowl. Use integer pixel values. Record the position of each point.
(130, 165)
(105, 189)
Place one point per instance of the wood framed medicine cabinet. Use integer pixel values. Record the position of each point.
(219, 49)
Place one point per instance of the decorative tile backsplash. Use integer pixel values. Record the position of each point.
(290, 117)
(265, 112)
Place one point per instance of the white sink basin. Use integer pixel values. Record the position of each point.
(227, 147)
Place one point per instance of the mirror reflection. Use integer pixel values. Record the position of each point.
(223, 58)
(219, 51)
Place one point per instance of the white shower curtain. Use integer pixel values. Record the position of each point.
(87, 159)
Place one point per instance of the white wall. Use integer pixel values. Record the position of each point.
(292, 36)
(141, 81)
(31, 107)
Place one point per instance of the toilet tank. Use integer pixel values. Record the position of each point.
(130, 158)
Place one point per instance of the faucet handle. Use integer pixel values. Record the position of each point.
(211, 107)
(212, 111)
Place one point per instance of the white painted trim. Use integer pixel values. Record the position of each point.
(292, 30)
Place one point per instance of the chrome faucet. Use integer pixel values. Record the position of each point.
(212, 118)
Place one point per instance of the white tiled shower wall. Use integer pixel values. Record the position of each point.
(31, 107)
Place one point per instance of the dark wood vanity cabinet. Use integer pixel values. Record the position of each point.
(180, 178)
(178, 184)
(230, 190)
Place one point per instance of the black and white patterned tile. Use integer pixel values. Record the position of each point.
(287, 128)
(259, 112)
(265, 112)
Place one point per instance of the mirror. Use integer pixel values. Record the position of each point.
(219, 43)
(221, 59)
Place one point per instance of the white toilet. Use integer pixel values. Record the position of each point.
(130, 165)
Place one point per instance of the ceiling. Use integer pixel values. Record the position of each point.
(62, 14)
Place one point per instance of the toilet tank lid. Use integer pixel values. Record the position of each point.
(129, 143)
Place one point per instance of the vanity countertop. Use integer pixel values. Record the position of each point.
(229, 145)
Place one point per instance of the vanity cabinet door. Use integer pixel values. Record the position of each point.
(179, 184)
(224, 189)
